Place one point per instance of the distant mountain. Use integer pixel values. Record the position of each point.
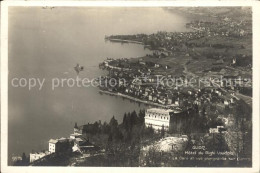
(239, 13)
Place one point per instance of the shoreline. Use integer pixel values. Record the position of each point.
(129, 41)
(132, 98)
(124, 41)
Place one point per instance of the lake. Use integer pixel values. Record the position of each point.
(47, 44)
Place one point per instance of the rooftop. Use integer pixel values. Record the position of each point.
(79, 139)
(62, 139)
(160, 110)
(54, 141)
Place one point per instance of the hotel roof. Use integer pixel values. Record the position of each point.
(160, 110)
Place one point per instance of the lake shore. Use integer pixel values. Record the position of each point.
(123, 41)
(133, 98)
(128, 41)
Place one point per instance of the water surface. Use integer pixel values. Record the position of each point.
(45, 43)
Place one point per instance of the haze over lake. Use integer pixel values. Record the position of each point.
(47, 44)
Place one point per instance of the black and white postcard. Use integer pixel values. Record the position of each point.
(101, 86)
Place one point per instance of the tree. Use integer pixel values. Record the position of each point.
(24, 157)
(141, 116)
(113, 124)
(124, 121)
(162, 132)
(105, 128)
(133, 119)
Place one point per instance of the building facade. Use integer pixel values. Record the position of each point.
(59, 145)
(158, 118)
(172, 120)
(52, 145)
(37, 156)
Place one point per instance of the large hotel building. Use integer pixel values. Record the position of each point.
(174, 121)
(158, 118)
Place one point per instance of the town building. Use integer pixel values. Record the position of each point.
(59, 145)
(81, 142)
(83, 145)
(219, 129)
(173, 120)
(158, 118)
(78, 131)
(52, 145)
(38, 155)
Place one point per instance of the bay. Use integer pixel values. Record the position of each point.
(47, 44)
